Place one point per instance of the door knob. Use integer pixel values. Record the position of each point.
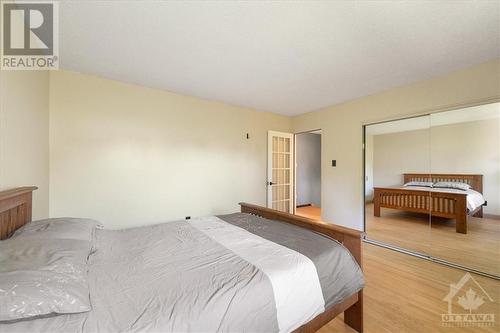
(271, 183)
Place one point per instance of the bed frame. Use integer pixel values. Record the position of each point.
(442, 204)
(16, 206)
(350, 238)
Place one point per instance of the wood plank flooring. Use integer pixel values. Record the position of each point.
(405, 294)
(311, 212)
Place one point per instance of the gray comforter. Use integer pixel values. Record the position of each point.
(218, 274)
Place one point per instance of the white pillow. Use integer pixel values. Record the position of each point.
(422, 184)
(42, 276)
(454, 185)
(43, 268)
(61, 228)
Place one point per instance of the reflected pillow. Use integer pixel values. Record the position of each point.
(421, 184)
(454, 185)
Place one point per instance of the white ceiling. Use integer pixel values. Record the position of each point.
(474, 113)
(283, 57)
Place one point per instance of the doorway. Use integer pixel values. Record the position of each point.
(308, 174)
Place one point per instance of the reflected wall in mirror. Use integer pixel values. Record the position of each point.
(467, 141)
(433, 185)
(395, 206)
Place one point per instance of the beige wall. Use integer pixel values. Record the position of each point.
(470, 147)
(129, 155)
(342, 187)
(24, 134)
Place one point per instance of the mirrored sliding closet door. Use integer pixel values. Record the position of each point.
(465, 162)
(432, 186)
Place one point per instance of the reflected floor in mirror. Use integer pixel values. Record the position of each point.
(478, 249)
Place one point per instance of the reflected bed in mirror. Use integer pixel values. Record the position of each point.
(446, 201)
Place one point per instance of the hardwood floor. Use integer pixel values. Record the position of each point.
(479, 248)
(311, 212)
(405, 294)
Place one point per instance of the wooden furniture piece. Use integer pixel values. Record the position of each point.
(15, 209)
(350, 238)
(435, 202)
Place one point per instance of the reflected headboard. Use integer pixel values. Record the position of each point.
(15, 209)
(475, 181)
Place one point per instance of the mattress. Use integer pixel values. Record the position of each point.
(474, 198)
(235, 272)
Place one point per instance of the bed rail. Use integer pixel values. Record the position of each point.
(442, 204)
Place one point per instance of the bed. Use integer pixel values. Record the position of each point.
(448, 203)
(218, 273)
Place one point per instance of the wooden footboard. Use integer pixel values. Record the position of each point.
(449, 205)
(350, 238)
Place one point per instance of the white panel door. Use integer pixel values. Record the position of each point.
(280, 171)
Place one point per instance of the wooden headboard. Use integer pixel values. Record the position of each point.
(15, 209)
(475, 181)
